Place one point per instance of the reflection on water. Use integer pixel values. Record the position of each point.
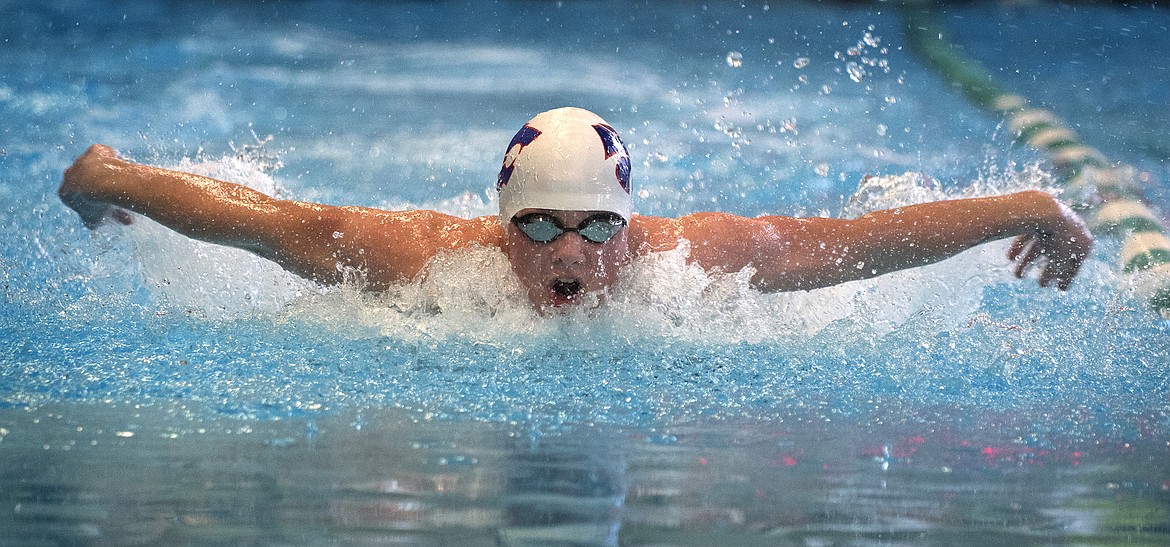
(151, 474)
(568, 495)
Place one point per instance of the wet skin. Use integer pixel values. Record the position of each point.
(320, 242)
(563, 271)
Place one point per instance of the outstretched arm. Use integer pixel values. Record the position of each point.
(315, 241)
(800, 254)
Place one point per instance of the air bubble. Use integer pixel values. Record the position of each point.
(801, 62)
(734, 59)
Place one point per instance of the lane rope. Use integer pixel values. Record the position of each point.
(1106, 194)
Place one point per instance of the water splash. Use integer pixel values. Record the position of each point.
(672, 343)
(734, 59)
(472, 294)
(856, 73)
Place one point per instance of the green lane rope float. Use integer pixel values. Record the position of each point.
(1105, 194)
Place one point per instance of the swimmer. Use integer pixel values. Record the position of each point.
(566, 224)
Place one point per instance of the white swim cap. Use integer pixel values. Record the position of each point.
(567, 159)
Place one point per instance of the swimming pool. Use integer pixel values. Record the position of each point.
(155, 390)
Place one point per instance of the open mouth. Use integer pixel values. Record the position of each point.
(566, 288)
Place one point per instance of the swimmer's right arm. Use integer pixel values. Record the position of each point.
(100, 186)
(318, 242)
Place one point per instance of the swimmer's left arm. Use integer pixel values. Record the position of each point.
(802, 254)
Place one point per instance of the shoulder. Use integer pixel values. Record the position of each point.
(722, 241)
(395, 246)
(705, 229)
(424, 226)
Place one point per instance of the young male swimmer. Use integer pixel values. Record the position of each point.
(566, 224)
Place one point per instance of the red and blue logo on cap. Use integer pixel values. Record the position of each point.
(524, 137)
(613, 145)
(609, 140)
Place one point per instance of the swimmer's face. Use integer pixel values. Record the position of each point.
(563, 271)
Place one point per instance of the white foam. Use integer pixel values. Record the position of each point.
(183, 275)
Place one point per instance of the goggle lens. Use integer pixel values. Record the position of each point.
(543, 228)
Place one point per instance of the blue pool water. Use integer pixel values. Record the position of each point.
(157, 390)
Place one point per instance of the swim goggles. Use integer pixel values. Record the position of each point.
(543, 228)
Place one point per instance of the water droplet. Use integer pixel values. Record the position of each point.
(856, 73)
(801, 62)
(734, 59)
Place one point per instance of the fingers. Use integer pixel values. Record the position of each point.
(1060, 273)
(1066, 281)
(1057, 270)
(1060, 247)
(1029, 256)
(92, 214)
(122, 216)
(1069, 268)
(1017, 245)
(78, 182)
(1047, 275)
(1062, 264)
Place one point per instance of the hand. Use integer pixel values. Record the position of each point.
(80, 177)
(1064, 243)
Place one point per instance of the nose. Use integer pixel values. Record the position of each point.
(569, 249)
